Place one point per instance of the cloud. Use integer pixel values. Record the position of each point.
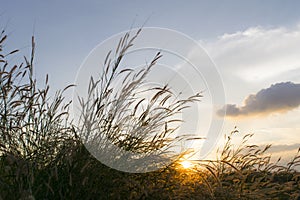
(257, 53)
(278, 97)
(284, 147)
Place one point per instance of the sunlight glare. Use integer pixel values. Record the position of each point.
(186, 164)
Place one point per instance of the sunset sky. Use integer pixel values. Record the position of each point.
(255, 46)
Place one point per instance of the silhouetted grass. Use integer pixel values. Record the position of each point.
(246, 172)
(42, 155)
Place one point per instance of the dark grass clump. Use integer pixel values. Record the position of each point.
(34, 130)
(41, 152)
(140, 121)
(246, 172)
(42, 155)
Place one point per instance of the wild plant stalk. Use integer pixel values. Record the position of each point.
(32, 127)
(122, 114)
(246, 171)
(40, 156)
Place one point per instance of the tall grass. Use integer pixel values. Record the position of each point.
(246, 172)
(42, 152)
(138, 121)
(34, 130)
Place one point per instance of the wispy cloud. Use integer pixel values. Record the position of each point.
(279, 97)
(284, 147)
(257, 53)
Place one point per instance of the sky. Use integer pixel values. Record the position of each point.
(255, 45)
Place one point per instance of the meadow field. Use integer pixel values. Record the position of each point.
(43, 156)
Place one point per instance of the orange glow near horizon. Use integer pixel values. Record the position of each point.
(186, 164)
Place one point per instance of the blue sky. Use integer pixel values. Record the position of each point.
(263, 34)
(66, 31)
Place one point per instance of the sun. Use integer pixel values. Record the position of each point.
(186, 164)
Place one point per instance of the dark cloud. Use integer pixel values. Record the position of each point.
(278, 97)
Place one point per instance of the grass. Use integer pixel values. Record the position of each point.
(43, 156)
(137, 120)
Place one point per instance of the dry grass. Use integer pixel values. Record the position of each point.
(41, 156)
(124, 116)
(34, 130)
(246, 172)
